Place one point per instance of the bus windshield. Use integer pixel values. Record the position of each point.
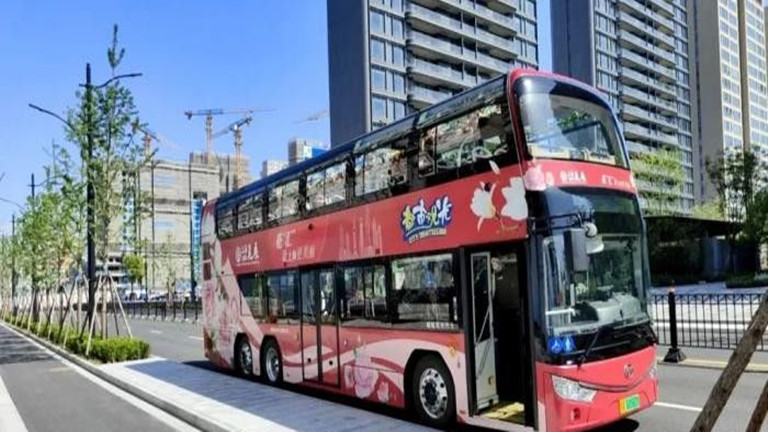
(611, 291)
(563, 121)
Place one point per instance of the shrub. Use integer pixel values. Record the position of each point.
(747, 281)
(119, 349)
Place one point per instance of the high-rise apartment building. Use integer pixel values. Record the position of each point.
(269, 167)
(390, 57)
(732, 92)
(300, 149)
(227, 166)
(637, 53)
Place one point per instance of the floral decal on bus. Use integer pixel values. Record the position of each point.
(514, 207)
(419, 222)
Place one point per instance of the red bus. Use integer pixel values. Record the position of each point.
(482, 261)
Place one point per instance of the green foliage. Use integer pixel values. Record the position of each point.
(134, 266)
(660, 174)
(103, 350)
(711, 210)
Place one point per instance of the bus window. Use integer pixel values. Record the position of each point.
(315, 190)
(283, 200)
(480, 134)
(253, 296)
(283, 297)
(326, 187)
(379, 169)
(249, 213)
(424, 292)
(327, 297)
(225, 222)
(364, 301)
(273, 212)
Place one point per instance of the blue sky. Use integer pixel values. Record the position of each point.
(193, 54)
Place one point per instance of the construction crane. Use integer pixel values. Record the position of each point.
(149, 136)
(209, 113)
(237, 130)
(315, 117)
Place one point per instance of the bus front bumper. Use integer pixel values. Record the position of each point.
(607, 396)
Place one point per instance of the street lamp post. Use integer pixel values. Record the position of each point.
(90, 197)
(13, 263)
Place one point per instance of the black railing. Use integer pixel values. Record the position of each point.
(704, 320)
(164, 310)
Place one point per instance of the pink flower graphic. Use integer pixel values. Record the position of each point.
(349, 377)
(365, 377)
(482, 203)
(515, 207)
(534, 179)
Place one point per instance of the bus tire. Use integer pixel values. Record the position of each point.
(271, 362)
(243, 357)
(433, 396)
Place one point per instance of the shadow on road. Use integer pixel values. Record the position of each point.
(14, 349)
(626, 425)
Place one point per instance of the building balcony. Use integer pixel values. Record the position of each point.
(444, 74)
(627, 39)
(663, 8)
(635, 132)
(421, 97)
(629, 22)
(634, 78)
(637, 97)
(666, 25)
(627, 57)
(444, 22)
(630, 112)
(482, 12)
(433, 44)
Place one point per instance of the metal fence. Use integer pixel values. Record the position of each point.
(164, 310)
(704, 320)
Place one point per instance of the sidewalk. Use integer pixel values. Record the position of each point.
(714, 358)
(212, 400)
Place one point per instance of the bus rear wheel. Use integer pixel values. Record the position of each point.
(433, 395)
(271, 362)
(244, 357)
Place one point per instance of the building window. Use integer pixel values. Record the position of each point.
(379, 109)
(398, 85)
(377, 50)
(398, 56)
(377, 79)
(397, 28)
(399, 110)
(377, 22)
(364, 300)
(424, 292)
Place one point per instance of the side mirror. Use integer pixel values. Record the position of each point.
(576, 250)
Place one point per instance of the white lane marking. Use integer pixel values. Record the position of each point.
(153, 411)
(10, 420)
(678, 407)
(156, 332)
(196, 338)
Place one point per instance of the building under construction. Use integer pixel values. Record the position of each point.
(227, 166)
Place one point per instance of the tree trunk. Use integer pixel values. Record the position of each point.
(732, 372)
(758, 416)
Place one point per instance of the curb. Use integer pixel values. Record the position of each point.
(188, 416)
(713, 365)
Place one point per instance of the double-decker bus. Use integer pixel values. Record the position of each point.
(482, 261)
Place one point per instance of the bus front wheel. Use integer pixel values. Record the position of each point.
(271, 362)
(433, 394)
(244, 357)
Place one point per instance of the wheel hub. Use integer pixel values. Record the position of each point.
(434, 393)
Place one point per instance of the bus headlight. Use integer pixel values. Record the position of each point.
(572, 390)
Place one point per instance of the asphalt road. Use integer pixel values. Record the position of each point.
(51, 395)
(684, 390)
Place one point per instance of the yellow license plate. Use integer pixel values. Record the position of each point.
(629, 404)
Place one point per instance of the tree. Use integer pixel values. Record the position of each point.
(740, 179)
(134, 267)
(110, 116)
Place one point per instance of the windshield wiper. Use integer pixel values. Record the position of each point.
(583, 357)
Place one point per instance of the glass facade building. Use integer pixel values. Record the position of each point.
(388, 58)
(637, 53)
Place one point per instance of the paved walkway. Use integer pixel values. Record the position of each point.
(235, 404)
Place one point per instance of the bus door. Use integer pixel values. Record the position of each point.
(484, 340)
(319, 327)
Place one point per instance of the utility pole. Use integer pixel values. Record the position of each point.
(32, 185)
(90, 196)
